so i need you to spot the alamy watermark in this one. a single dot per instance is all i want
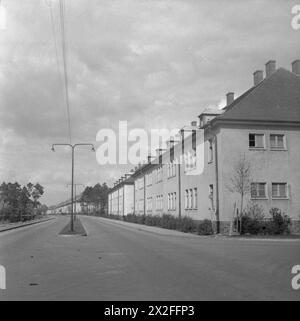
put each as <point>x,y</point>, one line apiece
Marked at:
<point>296,279</point>
<point>2,278</point>
<point>295,23</point>
<point>160,146</point>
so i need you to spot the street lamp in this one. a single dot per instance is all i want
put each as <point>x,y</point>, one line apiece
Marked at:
<point>72,181</point>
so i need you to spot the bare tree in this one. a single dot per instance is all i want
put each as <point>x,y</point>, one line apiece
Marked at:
<point>240,182</point>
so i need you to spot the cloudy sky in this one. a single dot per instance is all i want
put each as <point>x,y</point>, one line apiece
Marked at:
<point>154,63</point>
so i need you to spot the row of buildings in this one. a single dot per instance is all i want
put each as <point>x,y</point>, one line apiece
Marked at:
<point>194,175</point>
<point>79,207</point>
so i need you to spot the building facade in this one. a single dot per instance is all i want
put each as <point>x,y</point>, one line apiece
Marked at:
<point>194,176</point>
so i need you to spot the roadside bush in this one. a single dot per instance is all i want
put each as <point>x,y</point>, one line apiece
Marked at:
<point>279,223</point>
<point>153,220</point>
<point>168,221</point>
<point>187,225</point>
<point>205,227</point>
<point>253,219</point>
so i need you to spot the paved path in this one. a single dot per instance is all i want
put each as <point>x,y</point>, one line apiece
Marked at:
<point>12,226</point>
<point>121,262</point>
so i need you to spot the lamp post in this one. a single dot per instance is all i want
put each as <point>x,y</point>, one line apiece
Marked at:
<point>72,180</point>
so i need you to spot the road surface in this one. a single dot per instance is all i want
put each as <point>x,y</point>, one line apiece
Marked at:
<point>117,262</point>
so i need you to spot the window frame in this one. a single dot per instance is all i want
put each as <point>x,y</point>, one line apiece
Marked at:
<point>286,191</point>
<point>284,142</point>
<point>263,140</point>
<point>259,197</point>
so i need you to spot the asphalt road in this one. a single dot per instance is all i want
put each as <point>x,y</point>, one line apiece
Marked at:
<point>117,262</point>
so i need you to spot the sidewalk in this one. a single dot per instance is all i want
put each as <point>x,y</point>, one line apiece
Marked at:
<point>150,229</point>
<point>167,232</point>
<point>12,226</point>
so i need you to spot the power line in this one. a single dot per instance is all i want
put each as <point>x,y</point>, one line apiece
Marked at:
<point>63,79</point>
<point>49,4</point>
<point>63,42</point>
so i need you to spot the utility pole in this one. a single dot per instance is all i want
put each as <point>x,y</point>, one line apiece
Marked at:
<point>72,180</point>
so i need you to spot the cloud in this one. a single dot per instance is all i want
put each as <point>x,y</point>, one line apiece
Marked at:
<point>153,63</point>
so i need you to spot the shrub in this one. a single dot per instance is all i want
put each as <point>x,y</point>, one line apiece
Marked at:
<point>253,219</point>
<point>187,225</point>
<point>168,221</point>
<point>279,223</point>
<point>205,227</point>
<point>184,224</point>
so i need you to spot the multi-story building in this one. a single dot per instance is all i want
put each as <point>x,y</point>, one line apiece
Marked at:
<point>120,197</point>
<point>260,128</point>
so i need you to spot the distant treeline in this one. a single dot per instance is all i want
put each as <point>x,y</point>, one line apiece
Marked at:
<point>20,203</point>
<point>95,198</point>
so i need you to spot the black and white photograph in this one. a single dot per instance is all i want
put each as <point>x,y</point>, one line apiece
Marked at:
<point>150,153</point>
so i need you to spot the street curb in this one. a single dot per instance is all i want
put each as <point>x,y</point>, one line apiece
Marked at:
<point>146,228</point>
<point>140,227</point>
<point>27,224</point>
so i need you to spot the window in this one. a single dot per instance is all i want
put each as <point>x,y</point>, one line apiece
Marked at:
<point>174,201</point>
<point>186,199</point>
<point>277,141</point>
<point>258,190</point>
<point>171,167</point>
<point>159,202</point>
<point>195,199</point>
<point>256,141</point>
<point>211,196</point>
<point>210,151</point>
<point>191,199</point>
<point>158,175</point>
<point>149,179</point>
<point>149,204</point>
<point>279,190</point>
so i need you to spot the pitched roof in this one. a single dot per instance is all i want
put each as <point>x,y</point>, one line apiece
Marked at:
<point>276,98</point>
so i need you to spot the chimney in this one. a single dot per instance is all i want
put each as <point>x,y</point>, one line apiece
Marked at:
<point>170,143</point>
<point>296,66</point>
<point>258,76</point>
<point>159,151</point>
<point>194,123</point>
<point>270,67</point>
<point>229,98</point>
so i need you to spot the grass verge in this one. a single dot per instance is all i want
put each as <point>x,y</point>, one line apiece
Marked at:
<point>78,229</point>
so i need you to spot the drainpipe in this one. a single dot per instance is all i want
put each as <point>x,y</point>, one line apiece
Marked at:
<point>134,197</point>
<point>179,192</point>
<point>123,200</point>
<point>118,202</point>
<point>144,193</point>
<point>217,184</point>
